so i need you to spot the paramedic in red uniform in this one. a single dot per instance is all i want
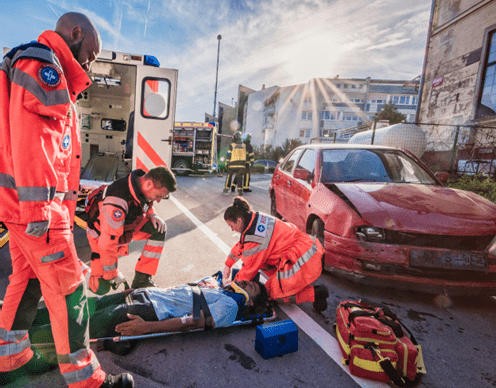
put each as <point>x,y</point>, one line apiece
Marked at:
<point>290,258</point>
<point>121,212</point>
<point>40,150</point>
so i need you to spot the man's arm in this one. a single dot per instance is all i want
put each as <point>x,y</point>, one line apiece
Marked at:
<point>138,326</point>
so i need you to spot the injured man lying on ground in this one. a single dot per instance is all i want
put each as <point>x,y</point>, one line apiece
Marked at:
<point>200,305</point>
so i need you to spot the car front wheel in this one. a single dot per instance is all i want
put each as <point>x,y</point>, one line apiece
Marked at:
<point>273,207</point>
<point>318,232</point>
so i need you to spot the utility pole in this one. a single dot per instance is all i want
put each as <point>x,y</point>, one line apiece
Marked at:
<point>219,37</point>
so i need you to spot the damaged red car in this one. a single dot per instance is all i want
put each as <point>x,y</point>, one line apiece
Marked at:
<point>386,220</point>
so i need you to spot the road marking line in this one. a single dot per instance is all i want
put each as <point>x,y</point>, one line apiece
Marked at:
<point>321,337</point>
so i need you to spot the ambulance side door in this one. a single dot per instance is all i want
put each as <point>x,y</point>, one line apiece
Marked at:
<point>155,109</point>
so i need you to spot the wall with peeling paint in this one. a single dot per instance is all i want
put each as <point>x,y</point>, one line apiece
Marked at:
<point>451,71</point>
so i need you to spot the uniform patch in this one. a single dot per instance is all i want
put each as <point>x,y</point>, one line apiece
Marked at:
<point>261,228</point>
<point>49,75</point>
<point>66,142</point>
<point>118,215</point>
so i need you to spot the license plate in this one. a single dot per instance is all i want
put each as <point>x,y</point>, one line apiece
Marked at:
<point>473,261</point>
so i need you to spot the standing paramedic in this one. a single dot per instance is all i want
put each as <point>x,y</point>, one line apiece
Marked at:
<point>290,258</point>
<point>40,154</point>
<point>121,212</point>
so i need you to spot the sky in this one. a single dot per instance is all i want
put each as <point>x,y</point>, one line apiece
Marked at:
<point>264,42</point>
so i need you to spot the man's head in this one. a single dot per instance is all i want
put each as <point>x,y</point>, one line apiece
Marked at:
<point>81,36</point>
<point>256,291</point>
<point>158,183</point>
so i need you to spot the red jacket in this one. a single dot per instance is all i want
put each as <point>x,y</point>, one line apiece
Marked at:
<point>40,145</point>
<point>292,259</point>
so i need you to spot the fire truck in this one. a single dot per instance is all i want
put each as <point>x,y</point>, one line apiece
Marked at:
<point>194,148</point>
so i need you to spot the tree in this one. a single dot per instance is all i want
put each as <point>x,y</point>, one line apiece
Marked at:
<point>390,112</point>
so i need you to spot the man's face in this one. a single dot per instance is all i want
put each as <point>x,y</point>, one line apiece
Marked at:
<point>86,51</point>
<point>252,288</point>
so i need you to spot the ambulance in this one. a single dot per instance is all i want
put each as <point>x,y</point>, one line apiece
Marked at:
<point>126,116</point>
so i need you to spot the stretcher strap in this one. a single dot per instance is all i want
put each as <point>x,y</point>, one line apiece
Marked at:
<point>200,304</point>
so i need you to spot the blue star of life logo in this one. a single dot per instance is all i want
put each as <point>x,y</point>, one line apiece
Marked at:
<point>66,141</point>
<point>261,228</point>
<point>49,75</point>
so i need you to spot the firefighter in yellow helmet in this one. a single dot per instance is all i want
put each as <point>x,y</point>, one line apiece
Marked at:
<point>236,163</point>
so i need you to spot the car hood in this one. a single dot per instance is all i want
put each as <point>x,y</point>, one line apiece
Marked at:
<point>421,208</point>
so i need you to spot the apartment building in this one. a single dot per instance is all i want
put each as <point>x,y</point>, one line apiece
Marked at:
<point>323,107</point>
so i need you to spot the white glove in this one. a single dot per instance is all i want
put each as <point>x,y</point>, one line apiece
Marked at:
<point>158,223</point>
<point>118,280</point>
<point>37,228</point>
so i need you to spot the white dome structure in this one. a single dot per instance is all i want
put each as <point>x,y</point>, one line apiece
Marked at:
<point>404,135</point>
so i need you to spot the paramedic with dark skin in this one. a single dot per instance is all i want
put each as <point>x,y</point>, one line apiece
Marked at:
<point>121,212</point>
<point>291,259</point>
<point>39,182</point>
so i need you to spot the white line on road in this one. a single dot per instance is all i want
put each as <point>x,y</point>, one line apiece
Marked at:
<point>326,341</point>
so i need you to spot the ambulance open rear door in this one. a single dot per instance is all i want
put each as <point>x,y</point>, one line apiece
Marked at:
<point>154,117</point>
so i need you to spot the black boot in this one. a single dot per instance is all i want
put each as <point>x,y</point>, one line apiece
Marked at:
<point>142,280</point>
<point>124,380</point>
<point>321,295</point>
<point>37,365</point>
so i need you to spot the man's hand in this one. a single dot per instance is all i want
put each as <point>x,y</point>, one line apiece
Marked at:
<point>136,326</point>
<point>158,223</point>
<point>37,228</point>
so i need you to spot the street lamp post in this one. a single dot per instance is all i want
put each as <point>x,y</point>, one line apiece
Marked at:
<point>219,37</point>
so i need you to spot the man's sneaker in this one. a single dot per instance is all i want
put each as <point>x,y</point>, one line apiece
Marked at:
<point>142,280</point>
<point>124,380</point>
<point>37,365</point>
<point>247,190</point>
<point>321,295</point>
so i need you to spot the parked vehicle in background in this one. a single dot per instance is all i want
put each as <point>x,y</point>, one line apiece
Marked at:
<point>476,166</point>
<point>385,219</point>
<point>266,163</point>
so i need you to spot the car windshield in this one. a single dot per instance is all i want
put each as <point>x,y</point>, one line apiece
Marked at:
<point>357,165</point>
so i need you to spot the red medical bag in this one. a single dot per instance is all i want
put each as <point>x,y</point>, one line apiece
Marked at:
<point>375,346</point>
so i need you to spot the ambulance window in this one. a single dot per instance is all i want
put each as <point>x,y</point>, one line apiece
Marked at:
<point>155,98</point>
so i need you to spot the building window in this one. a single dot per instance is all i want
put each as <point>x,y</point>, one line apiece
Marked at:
<point>487,103</point>
<point>306,115</point>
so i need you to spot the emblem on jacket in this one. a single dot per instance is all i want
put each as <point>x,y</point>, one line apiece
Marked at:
<point>261,228</point>
<point>49,75</point>
<point>66,142</point>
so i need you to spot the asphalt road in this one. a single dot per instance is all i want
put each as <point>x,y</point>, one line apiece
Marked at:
<point>457,335</point>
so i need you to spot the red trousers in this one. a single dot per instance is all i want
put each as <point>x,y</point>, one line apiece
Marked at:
<point>48,267</point>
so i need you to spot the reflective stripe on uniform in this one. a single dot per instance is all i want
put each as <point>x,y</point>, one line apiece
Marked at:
<point>52,257</point>
<point>13,335</point>
<point>14,347</point>
<point>299,263</point>
<point>82,374</point>
<point>151,255</point>
<point>46,97</point>
<point>155,243</point>
<point>73,358</point>
<point>27,194</point>
<point>7,181</point>
<point>108,268</point>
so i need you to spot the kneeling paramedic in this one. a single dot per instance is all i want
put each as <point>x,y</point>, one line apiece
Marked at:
<point>121,212</point>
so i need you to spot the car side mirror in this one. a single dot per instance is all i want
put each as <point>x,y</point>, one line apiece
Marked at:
<point>301,174</point>
<point>442,176</point>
